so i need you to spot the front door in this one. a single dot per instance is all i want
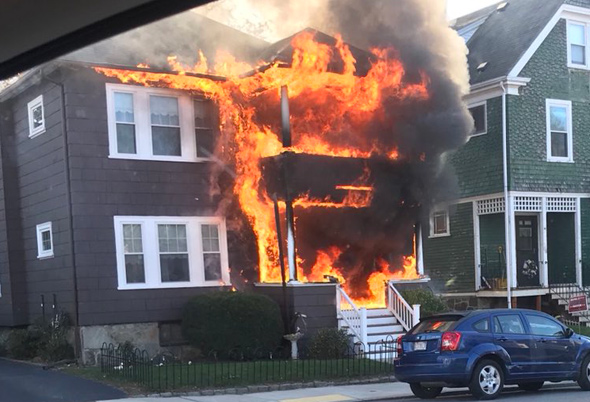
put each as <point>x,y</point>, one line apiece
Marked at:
<point>527,251</point>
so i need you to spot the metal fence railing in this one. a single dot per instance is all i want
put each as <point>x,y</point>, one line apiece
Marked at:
<point>245,367</point>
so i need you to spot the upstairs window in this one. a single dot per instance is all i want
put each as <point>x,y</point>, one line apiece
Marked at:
<point>559,131</point>
<point>159,124</point>
<point>36,117</point>
<point>577,37</point>
<point>479,114</point>
<point>439,223</point>
<point>44,240</point>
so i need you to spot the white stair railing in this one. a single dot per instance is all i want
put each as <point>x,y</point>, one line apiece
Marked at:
<point>354,317</point>
<point>407,315</point>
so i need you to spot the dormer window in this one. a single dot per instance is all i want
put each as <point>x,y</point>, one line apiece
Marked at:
<point>577,37</point>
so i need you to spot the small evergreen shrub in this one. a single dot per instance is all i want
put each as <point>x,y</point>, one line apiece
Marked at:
<point>222,321</point>
<point>328,343</point>
<point>22,344</point>
<point>429,302</point>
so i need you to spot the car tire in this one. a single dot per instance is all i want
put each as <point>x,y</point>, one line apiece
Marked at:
<point>531,386</point>
<point>487,381</point>
<point>425,392</point>
<point>584,379</point>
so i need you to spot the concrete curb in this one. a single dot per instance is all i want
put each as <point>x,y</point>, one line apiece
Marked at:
<point>251,389</point>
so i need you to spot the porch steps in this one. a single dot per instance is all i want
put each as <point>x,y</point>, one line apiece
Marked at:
<point>561,294</point>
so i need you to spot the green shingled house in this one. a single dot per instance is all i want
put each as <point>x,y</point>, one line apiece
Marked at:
<point>521,223</point>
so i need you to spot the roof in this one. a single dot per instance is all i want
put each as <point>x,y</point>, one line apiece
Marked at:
<point>182,35</point>
<point>468,19</point>
<point>506,35</point>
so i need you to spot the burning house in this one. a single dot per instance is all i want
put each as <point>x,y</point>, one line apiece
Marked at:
<point>307,162</point>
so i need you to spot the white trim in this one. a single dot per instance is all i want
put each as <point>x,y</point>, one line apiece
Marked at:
<point>35,103</point>
<point>500,293</point>
<point>143,130</point>
<point>578,239</point>
<point>439,210</point>
<point>485,117</point>
<point>569,129</point>
<point>543,259</point>
<point>41,228</point>
<point>584,25</point>
<point>494,88</point>
<point>476,246</point>
<point>151,253</point>
<point>420,251</point>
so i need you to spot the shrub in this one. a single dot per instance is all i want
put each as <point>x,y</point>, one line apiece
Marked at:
<point>222,321</point>
<point>429,303</point>
<point>22,344</point>
<point>328,343</point>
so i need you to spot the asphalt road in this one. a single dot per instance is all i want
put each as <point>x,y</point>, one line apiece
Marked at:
<point>21,382</point>
<point>569,392</point>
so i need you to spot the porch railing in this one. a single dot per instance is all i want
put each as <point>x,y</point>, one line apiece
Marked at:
<point>564,293</point>
<point>406,315</point>
<point>354,317</point>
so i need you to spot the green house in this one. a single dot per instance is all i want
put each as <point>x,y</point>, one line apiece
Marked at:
<point>520,224</point>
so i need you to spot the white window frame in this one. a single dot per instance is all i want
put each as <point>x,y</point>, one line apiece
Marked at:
<point>485,113</point>
<point>35,103</point>
<point>569,45</point>
<point>434,212</point>
<point>44,227</point>
<point>570,136</point>
<point>143,131</point>
<point>151,253</point>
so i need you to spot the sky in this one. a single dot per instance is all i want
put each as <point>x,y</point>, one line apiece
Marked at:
<point>457,8</point>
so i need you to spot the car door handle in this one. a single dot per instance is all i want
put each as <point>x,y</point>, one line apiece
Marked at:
<point>542,340</point>
<point>502,339</point>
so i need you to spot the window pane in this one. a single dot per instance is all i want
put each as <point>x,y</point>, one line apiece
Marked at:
<point>203,113</point>
<point>132,239</point>
<point>578,54</point>
<point>510,324</point>
<point>440,223</point>
<point>126,138</point>
<point>164,111</point>
<point>46,240</point>
<point>482,325</point>
<point>134,270</point>
<point>172,238</point>
<point>479,118</point>
<point>558,117</point>
<point>38,116</point>
<point>559,144</point>
<point>212,266</point>
<point>210,234</point>
<point>124,107</point>
<point>544,326</point>
<point>577,34</point>
<point>205,142</point>
<point>166,141</point>
<point>174,267</point>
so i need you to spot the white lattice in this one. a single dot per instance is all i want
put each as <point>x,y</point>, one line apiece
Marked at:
<point>528,204</point>
<point>561,204</point>
<point>491,206</point>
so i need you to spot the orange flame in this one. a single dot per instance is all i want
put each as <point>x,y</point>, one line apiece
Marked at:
<point>245,141</point>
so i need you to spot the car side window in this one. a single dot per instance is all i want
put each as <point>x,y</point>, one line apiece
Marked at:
<point>482,325</point>
<point>508,324</point>
<point>543,326</point>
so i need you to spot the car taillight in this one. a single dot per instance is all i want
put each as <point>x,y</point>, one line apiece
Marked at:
<point>399,348</point>
<point>450,341</point>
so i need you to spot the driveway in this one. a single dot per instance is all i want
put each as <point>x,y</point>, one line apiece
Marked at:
<point>20,382</point>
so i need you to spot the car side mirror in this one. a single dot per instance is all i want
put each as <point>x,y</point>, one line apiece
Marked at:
<point>569,332</point>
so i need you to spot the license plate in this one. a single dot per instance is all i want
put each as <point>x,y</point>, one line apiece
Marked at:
<point>420,346</point>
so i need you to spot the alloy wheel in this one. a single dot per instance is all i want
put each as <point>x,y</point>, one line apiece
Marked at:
<point>489,379</point>
<point>588,371</point>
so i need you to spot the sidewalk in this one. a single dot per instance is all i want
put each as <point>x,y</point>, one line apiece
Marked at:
<point>365,392</point>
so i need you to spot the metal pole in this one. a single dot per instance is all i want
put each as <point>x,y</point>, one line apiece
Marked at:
<point>281,264</point>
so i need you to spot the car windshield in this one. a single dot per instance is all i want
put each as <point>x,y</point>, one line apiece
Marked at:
<point>435,324</point>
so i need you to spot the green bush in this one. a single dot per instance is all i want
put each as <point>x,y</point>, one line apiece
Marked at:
<point>23,344</point>
<point>222,321</point>
<point>328,343</point>
<point>429,302</point>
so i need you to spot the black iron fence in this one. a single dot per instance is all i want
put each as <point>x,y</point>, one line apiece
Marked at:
<point>563,293</point>
<point>240,368</point>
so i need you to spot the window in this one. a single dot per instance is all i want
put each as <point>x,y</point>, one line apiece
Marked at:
<point>439,223</point>
<point>482,325</point>
<point>44,240</point>
<point>543,326</point>
<point>168,252</point>
<point>36,117</point>
<point>577,49</point>
<point>508,324</point>
<point>478,113</point>
<point>559,131</point>
<point>159,124</point>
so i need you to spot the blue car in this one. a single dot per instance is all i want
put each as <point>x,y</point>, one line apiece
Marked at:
<point>487,349</point>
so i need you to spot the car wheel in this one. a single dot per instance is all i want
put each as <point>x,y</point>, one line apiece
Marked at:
<point>487,381</point>
<point>531,386</point>
<point>584,379</point>
<point>425,392</point>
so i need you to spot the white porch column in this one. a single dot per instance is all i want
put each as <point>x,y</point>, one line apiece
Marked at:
<point>476,247</point>
<point>544,261</point>
<point>510,234</point>
<point>420,251</point>
<point>578,238</point>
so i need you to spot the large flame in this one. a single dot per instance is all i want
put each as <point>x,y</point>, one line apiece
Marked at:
<point>245,141</point>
